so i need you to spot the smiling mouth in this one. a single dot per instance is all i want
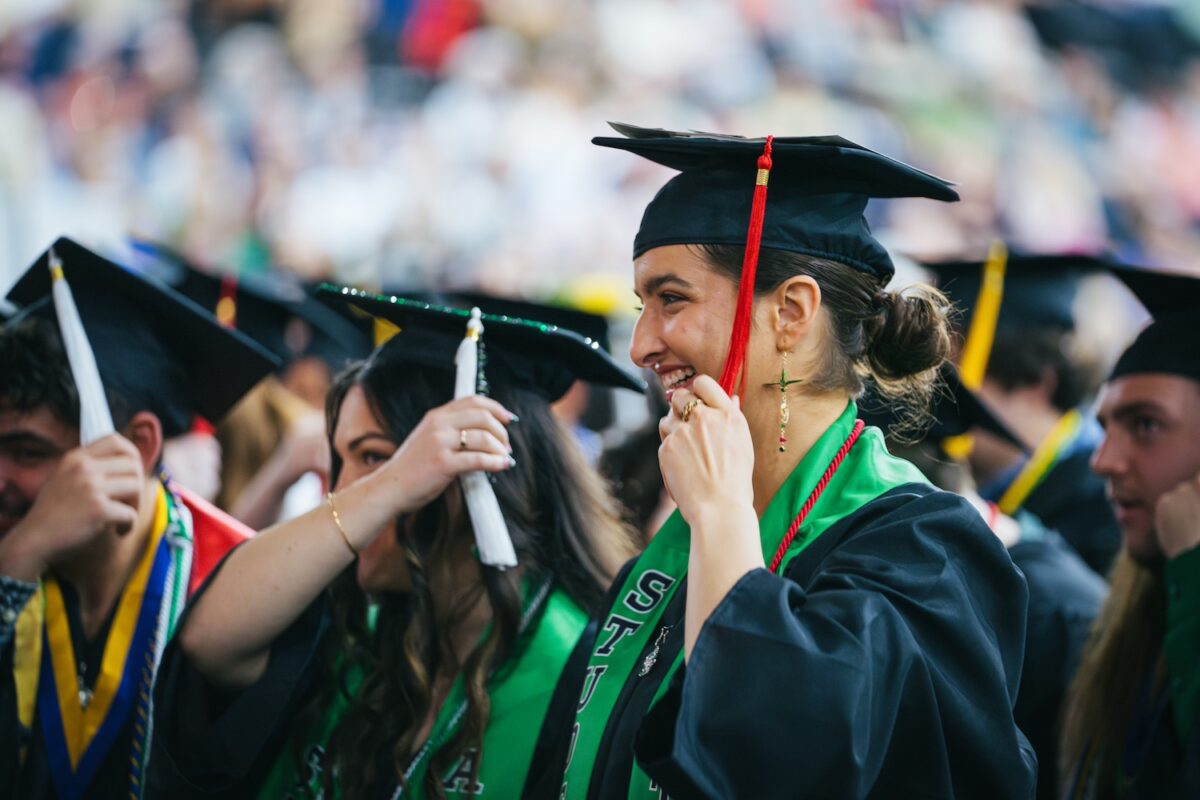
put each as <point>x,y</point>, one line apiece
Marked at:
<point>676,379</point>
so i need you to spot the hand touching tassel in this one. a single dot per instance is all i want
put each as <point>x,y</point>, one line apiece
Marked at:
<point>491,531</point>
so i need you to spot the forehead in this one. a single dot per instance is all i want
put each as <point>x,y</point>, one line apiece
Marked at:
<point>41,423</point>
<point>355,417</point>
<point>1173,394</point>
<point>671,261</point>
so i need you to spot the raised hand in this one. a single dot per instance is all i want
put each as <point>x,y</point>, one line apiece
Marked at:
<point>1177,518</point>
<point>91,489</point>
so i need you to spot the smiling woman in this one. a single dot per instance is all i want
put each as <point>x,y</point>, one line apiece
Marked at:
<point>859,617</point>
<point>382,655</point>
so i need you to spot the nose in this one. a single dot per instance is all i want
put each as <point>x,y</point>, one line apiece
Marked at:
<point>646,347</point>
<point>1107,461</point>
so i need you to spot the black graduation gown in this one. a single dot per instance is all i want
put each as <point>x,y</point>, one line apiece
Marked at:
<point>32,779</point>
<point>1071,500</point>
<point>883,664</point>
<point>1064,597</point>
<point>213,743</point>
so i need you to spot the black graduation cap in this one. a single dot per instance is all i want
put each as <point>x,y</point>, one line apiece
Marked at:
<point>1037,289</point>
<point>1171,343</point>
<point>278,312</point>
<point>955,411</point>
<point>819,188</point>
<point>538,355</point>
<point>156,349</point>
<point>591,326</point>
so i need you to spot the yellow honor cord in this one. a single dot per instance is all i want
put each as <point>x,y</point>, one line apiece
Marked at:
<point>80,725</point>
<point>1043,459</point>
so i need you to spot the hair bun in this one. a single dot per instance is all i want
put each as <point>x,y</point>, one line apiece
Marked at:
<point>910,334</point>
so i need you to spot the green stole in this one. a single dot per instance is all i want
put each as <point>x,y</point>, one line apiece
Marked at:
<point>520,693</point>
<point>867,472</point>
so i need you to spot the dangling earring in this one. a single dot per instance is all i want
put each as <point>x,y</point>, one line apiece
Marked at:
<point>784,412</point>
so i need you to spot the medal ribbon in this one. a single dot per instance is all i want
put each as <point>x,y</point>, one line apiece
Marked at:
<point>78,739</point>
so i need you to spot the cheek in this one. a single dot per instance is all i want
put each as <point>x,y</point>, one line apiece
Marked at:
<point>1168,466</point>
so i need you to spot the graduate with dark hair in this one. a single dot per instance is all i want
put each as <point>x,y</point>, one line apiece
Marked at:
<point>390,653</point>
<point>99,549</point>
<point>1132,728</point>
<point>1022,353</point>
<point>816,619</point>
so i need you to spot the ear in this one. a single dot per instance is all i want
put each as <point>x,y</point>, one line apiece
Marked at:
<point>793,310</point>
<point>145,431</point>
<point>1048,385</point>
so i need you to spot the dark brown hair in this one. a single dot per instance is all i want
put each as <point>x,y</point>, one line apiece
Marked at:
<point>565,528</point>
<point>895,340</point>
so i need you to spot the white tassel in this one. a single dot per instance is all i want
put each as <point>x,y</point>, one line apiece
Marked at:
<point>95,420</point>
<point>491,531</point>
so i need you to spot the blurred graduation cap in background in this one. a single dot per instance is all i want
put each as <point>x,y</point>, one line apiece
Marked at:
<point>532,353</point>
<point>277,311</point>
<point>1170,344</point>
<point>955,411</point>
<point>155,349</point>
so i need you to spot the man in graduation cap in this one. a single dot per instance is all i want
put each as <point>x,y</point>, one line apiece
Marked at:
<point>1064,593</point>
<point>273,443</point>
<point>1020,351</point>
<point>98,550</point>
<point>1132,728</point>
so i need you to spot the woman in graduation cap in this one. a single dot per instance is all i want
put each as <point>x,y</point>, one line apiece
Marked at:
<point>816,620</point>
<point>366,649</point>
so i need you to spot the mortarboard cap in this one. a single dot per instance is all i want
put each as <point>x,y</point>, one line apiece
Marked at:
<point>955,411</point>
<point>1036,289</point>
<point>820,186</point>
<point>538,355</point>
<point>1171,342</point>
<point>276,311</point>
<point>156,349</point>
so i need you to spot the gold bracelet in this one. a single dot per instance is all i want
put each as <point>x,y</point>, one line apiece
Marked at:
<point>338,522</point>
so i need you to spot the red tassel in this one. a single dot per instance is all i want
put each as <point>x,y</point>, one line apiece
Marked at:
<point>739,337</point>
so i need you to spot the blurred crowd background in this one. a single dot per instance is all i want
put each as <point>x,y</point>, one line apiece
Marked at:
<point>444,143</point>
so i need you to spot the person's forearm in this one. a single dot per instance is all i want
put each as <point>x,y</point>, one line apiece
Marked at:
<point>269,581</point>
<point>725,546</point>
<point>259,503</point>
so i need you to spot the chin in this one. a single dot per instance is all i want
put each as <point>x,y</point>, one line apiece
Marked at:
<point>1142,546</point>
<point>375,578</point>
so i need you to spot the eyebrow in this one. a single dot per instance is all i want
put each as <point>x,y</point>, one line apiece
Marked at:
<point>27,438</point>
<point>657,282</point>
<point>1136,408</point>
<point>356,442</point>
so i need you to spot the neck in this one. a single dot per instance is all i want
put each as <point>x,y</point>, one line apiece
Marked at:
<point>99,570</point>
<point>811,416</point>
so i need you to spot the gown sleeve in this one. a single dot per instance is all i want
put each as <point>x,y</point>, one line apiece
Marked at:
<point>890,672</point>
<point>1182,642</point>
<point>212,742</point>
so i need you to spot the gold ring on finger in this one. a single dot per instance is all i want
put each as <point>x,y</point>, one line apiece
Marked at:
<point>688,408</point>
<point>462,439</point>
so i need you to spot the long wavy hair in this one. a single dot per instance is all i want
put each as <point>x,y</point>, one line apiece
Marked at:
<point>1123,650</point>
<point>564,525</point>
